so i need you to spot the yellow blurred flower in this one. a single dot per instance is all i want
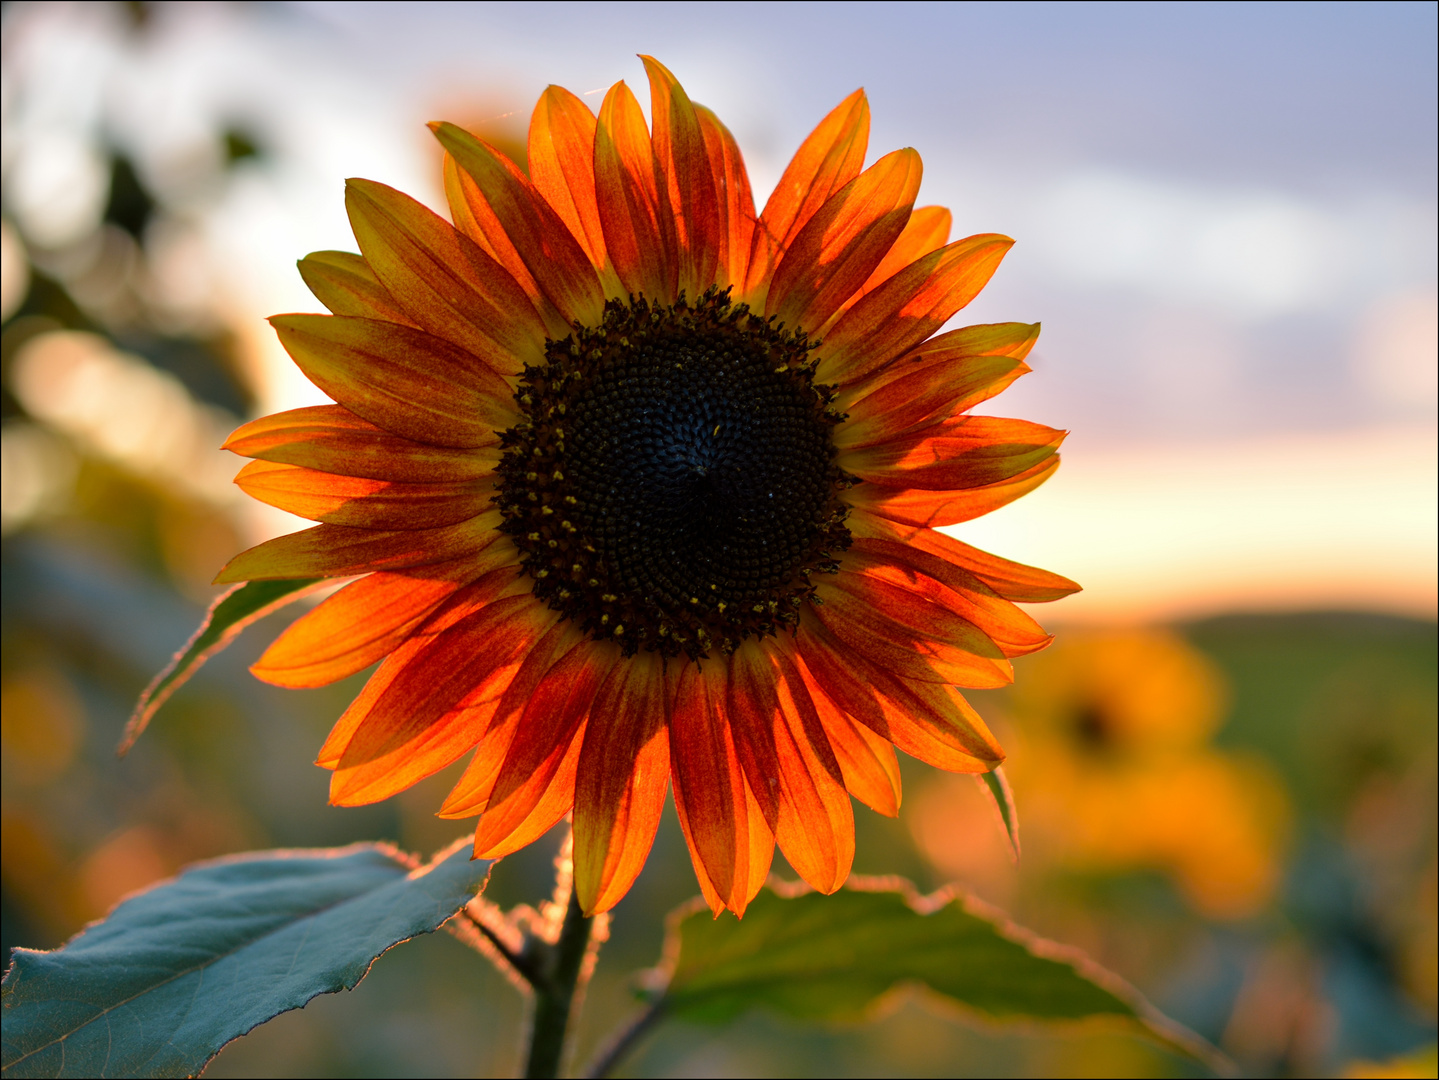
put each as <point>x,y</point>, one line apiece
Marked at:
<point>1114,771</point>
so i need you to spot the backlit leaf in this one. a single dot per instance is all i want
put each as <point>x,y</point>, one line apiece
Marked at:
<point>996,788</point>
<point>176,972</point>
<point>228,615</point>
<point>836,958</point>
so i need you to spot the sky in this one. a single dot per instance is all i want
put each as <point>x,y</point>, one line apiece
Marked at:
<point>1225,218</point>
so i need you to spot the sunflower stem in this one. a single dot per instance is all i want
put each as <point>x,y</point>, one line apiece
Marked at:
<point>555,995</point>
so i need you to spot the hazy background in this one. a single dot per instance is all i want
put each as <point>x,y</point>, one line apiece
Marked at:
<point>1226,219</point>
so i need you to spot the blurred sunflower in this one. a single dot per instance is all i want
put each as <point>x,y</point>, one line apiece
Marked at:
<point>1118,772</point>
<point>643,487</point>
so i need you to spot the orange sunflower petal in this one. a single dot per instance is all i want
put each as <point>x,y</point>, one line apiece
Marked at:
<point>840,246</point>
<point>930,721</point>
<point>637,237</point>
<point>952,587</point>
<point>816,821</point>
<point>562,167</point>
<point>512,216</point>
<point>938,508</point>
<point>908,635</point>
<point>621,782</point>
<point>984,339</point>
<point>931,391</point>
<point>461,605</point>
<point>442,280</point>
<point>967,452</point>
<point>496,709</point>
<point>346,285</point>
<point>683,164</point>
<point>736,201</point>
<point>333,439</point>
<point>361,501</point>
<point>828,159</point>
<point>709,786</point>
<point>906,309</point>
<point>541,811</point>
<point>791,768</point>
<point>403,380</point>
<point>557,707</point>
<point>434,709</point>
<point>927,230</point>
<point>513,796</point>
<point>866,761</point>
<point>341,551</point>
<point>362,623</point>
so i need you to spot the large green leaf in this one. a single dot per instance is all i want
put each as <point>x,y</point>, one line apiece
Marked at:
<point>833,958</point>
<point>231,612</point>
<point>174,973</point>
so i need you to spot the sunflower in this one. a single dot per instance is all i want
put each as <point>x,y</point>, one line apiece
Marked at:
<point>640,488</point>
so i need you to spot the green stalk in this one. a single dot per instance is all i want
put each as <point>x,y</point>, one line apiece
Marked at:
<point>555,994</point>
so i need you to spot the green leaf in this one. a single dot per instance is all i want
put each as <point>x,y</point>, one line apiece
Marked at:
<point>231,612</point>
<point>176,972</point>
<point>836,958</point>
<point>996,786</point>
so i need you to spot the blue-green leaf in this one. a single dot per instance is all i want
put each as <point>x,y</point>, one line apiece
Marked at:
<point>834,958</point>
<point>231,612</point>
<point>176,972</point>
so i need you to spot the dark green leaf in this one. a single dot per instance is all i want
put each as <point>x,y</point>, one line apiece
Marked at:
<point>834,958</point>
<point>228,615</point>
<point>174,973</point>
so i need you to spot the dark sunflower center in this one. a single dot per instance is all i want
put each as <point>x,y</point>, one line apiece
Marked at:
<point>673,485</point>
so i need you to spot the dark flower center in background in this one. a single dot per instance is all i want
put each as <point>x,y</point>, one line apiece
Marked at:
<point>673,485</point>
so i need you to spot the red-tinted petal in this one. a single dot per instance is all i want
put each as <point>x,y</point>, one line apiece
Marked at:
<point>931,391</point>
<point>403,380</point>
<point>503,708</point>
<point>736,202</point>
<point>443,281</point>
<point>638,234</point>
<point>866,761</point>
<point>562,166</point>
<point>555,712</point>
<point>709,786</point>
<point>346,285</point>
<point>909,307</point>
<point>908,635</point>
<point>685,178</point>
<point>362,623</point>
<point>621,783</point>
<point>816,822</point>
<point>541,809</point>
<point>439,703</point>
<point>839,247</point>
<point>511,215</point>
<point>967,452</point>
<point>828,159</point>
<point>930,721</point>
<point>952,587</point>
<point>787,755</point>
<point>927,230</point>
<point>916,506</point>
<point>333,439</point>
<point>363,502</point>
<point>341,551</point>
